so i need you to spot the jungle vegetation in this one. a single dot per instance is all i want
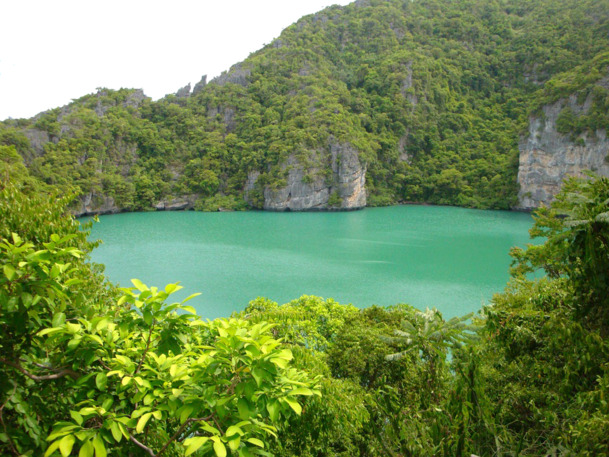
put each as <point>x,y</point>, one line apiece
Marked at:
<point>88,369</point>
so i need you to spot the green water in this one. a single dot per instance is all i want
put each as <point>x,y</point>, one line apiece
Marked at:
<point>450,258</point>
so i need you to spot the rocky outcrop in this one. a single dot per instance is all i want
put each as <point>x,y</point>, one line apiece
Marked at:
<point>200,85</point>
<point>238,74</point>
<point>547,157</point>
<point>98,204</point>
<point>184,92</point>
<point>95,204</point>
<point>177,204</point>
<point>309,187</point>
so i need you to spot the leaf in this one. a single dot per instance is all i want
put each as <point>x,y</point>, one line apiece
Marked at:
<point>258,376</point>
<point>233,430</point>
<point>256,442</point>
<point>66,444</point>
<point>245,452</point>
<point>219,447</point>
<point>234,443</point>
<point>86,450</point>
<point>301,391</point>
<point>52,448</point>
<point>185,414</point>
<point>9,272</point>
<point>189,309</point>
<point>244,409</point>
<point>294,405</point>
<point>77,417</point>
<point>100,448</point>
<point>139,285</point>
<point>101,381</point>
<point>116,432</point>
<point>190,297</point>
<point>141,423</point>
<point>273,409</point>
<point>193,444</point>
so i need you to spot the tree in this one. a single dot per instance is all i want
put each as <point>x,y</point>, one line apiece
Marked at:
<point>576,228</point>
<point>82,369</point>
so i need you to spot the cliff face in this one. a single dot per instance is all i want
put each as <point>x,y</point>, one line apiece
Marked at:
<point>314,188</point>
<point>547,156</point>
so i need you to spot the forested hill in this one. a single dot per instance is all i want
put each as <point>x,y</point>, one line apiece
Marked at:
<point>377,102</point>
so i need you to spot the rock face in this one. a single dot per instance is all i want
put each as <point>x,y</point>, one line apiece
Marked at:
<point>91,204</point>
<point>547,157</point>
<point>238,74</point>
<point>309,188</point>
<point>177,204</point>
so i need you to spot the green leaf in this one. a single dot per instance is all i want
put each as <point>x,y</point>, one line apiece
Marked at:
<point>190,297</point>
<point>301,391</point>
<point>273,409</point>
<point>219,447</point>
<point>100,448</point>
<point>9,272</point>
<point>141,423</point>
<point>256,442</point>
<point>139,285</point>
<point>258,376</point>
<point>234,443</point>
<point>244,409</point>
<point>86,450</point>
<point>245,452</point>
<point>101,381</point>
<point>189,309</point>
<point>193,444</point>
<point>147,317</point>
<point>185,414</point>
<point>233,430</point>
<point>66,444</point>
<point>58,319</point>
<point>116,432</point>
<point>77,417</point>
<point>294,405</point>
<point>52,448</point>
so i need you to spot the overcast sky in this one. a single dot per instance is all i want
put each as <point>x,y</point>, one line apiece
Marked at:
<point>52,51</point>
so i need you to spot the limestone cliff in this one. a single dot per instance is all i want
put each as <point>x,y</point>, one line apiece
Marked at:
<point>313,187</point>
<point>547,156</point>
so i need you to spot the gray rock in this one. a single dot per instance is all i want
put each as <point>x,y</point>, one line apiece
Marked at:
<point>547,157</point>
<point>184,92</point>
<point>236,75</point>
<point>311,188</point>
<point>176,204</point>
<point>91,204</point>
<point>200,85</point>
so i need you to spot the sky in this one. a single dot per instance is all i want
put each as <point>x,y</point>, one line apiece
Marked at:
<point>54,51</point>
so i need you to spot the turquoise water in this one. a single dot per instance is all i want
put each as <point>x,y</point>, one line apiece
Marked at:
<point>452,258</point>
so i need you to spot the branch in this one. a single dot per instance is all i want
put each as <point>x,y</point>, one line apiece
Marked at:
<point>139,365</point>
<point>59,372</point>
<point>181,429</point>
<point>142,446</point>
<point>8,435</point>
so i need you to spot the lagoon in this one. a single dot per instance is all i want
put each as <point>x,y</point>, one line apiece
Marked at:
<point>450,258</point>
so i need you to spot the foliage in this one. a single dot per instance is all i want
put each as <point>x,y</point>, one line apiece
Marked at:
<point>577,246</point>
<point>85,371</point>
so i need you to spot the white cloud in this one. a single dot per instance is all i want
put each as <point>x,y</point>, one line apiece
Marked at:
<point>55,51</point>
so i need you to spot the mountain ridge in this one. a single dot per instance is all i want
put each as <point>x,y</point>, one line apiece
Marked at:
<point>434,97</point>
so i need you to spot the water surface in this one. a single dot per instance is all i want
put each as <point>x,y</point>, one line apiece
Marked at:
<point>450,258</point>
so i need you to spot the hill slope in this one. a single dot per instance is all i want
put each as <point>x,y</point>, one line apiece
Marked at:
<point>378,102</point>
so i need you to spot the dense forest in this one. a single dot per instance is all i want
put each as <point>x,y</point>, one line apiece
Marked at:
<point>427,99</point>
<point>91,370</point>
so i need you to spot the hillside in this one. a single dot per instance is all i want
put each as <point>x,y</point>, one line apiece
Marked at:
<point>375,103</point>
